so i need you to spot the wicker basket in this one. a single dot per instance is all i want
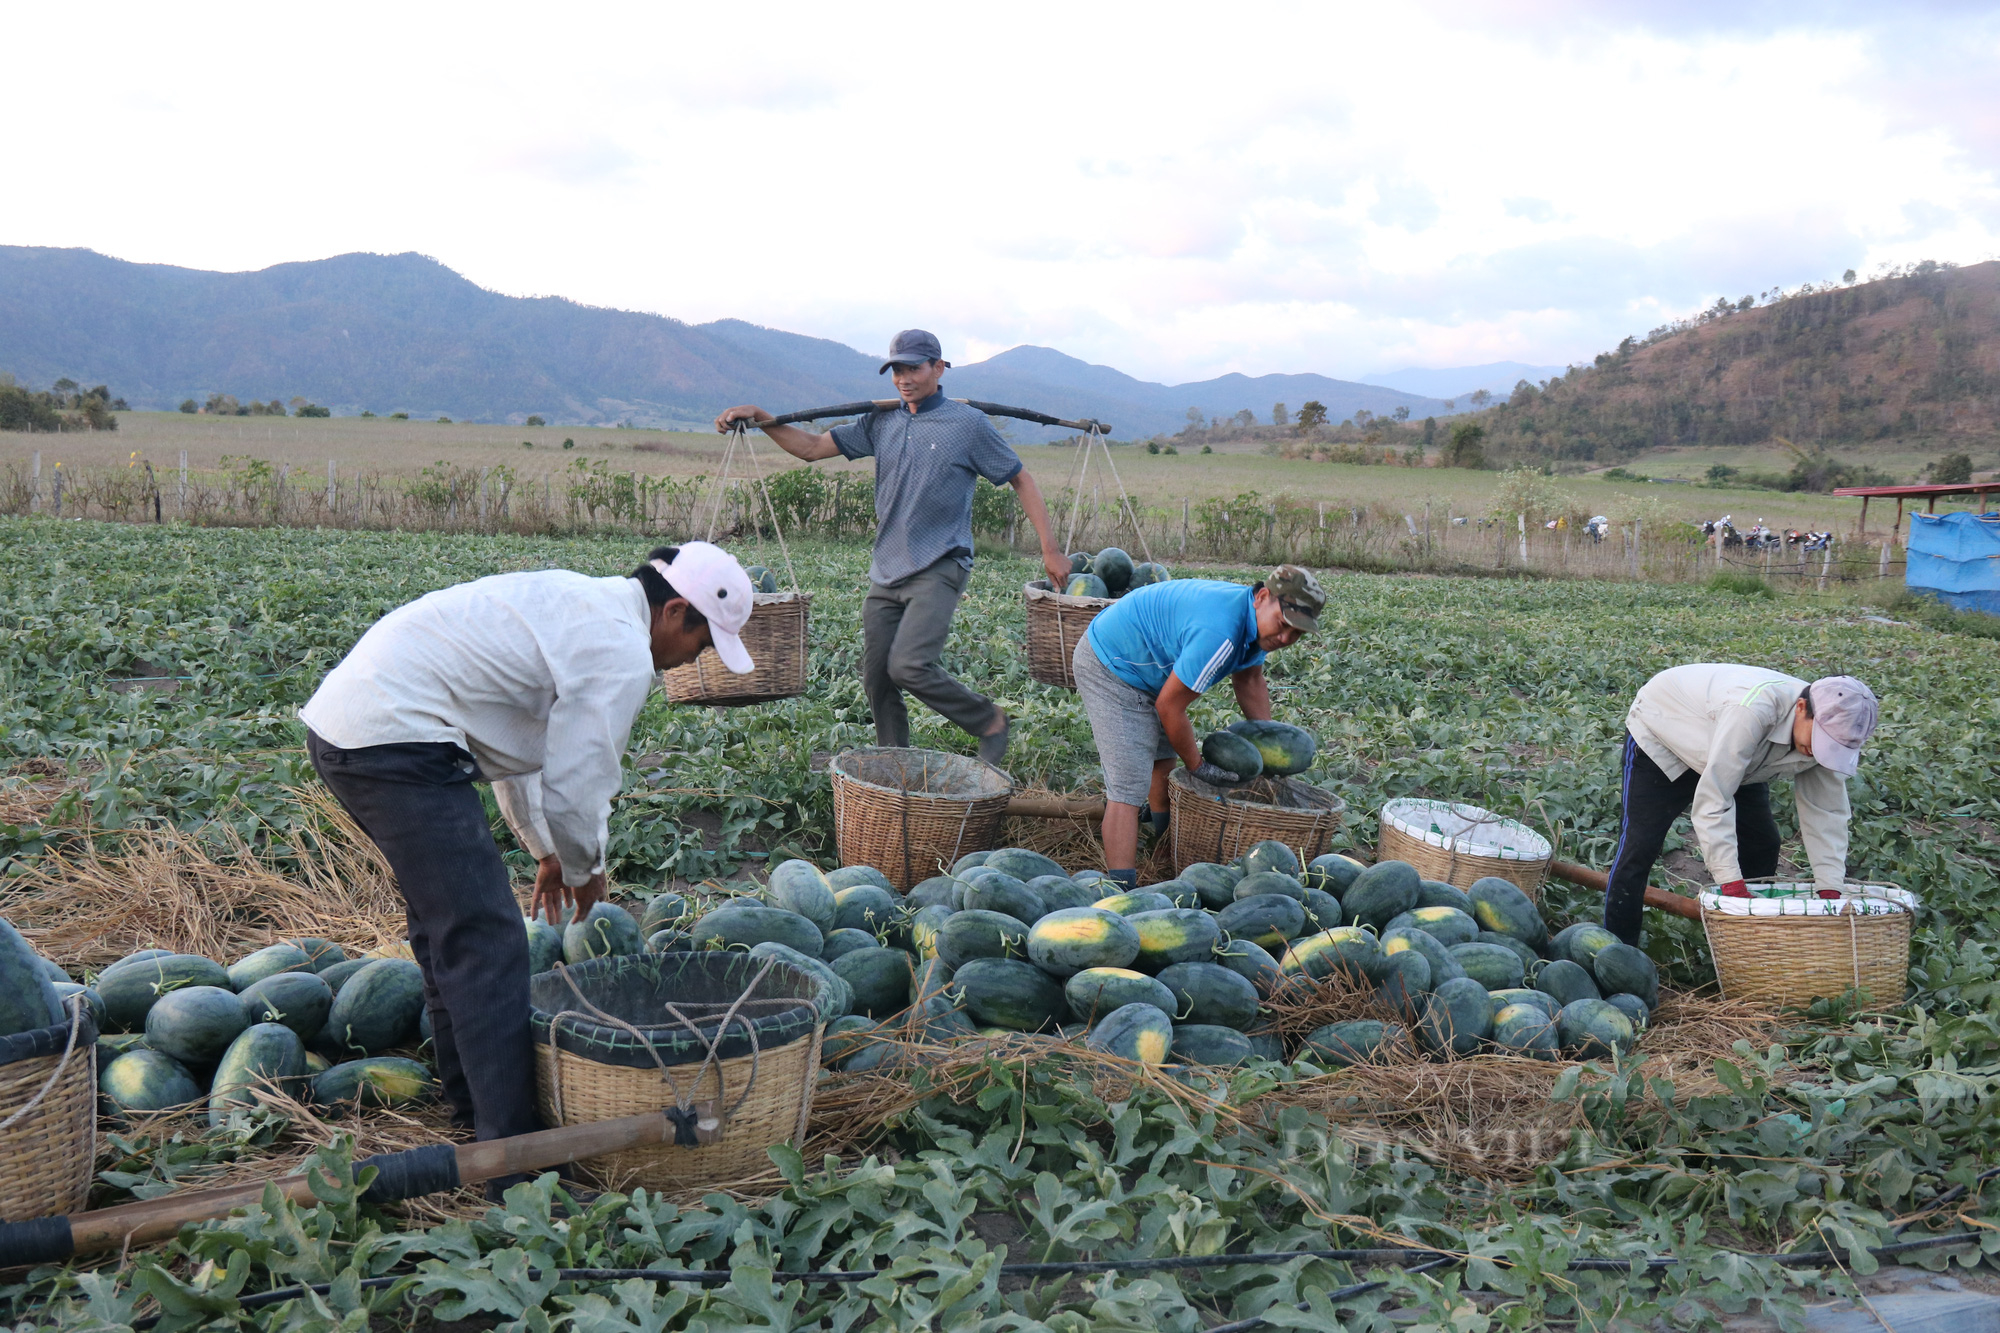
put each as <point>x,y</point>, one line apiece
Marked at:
<point>745,1062</point>
<point>1795,947</point>
<point>1221,823</point>
<point>776,638</point>
<point>912,813</point>
<point>1458,843</point>
<point>48,1079</point>
<point>1055,622</point>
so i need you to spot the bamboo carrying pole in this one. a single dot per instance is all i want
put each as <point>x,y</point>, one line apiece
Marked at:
<point>1678,904</point>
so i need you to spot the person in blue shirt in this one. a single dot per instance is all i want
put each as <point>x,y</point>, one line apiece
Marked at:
<point>1150,655</point>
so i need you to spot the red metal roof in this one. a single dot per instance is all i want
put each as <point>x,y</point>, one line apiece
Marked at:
<point>1924,492</point>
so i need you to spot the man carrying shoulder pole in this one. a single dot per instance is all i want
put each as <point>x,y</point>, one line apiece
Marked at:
<point>929,455</point>
<point>1707,739</point>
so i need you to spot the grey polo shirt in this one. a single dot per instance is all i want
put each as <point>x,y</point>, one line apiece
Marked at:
<point>926,465</point>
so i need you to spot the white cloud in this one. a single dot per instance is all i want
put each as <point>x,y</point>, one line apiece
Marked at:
<point>1173,189</point>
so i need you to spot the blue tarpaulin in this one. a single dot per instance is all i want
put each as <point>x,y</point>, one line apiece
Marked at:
<point>1956,558</point>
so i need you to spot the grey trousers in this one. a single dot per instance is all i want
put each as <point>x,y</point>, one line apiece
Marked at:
<point>903,633</point>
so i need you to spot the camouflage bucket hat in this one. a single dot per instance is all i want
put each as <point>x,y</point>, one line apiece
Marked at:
<point>1299,593</point>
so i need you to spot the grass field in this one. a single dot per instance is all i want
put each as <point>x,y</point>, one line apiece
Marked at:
<point>152,674</point>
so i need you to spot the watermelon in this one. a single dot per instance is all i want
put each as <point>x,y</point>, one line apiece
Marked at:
<point>1443,966</point>
<point>1227,750</point>
<point>1457,1017</point>
<point>195,1024</point>
<point>129,988</point>
<point>551,940</point>
<point>1525,1029</point>
<point>605,930</point>
<point>1056,892</point>
<point>969,861</point>
<point>880,1056</point>
<point>111,1045</point>
<point>848,877</point>
<point>1079,562</point>
<point>832,994</point>
<point>1490,965</point>
<point>1269,855</point>
<point>845,1036</point>
<point>545,950</point>
<point>1269,919</point>
<point>1009,993</point>
<point>743,922</point>
<point>265,1053</point>
<point>90,999</point>
<point>320,954</point>
<point>1621,969</point>
<point>1322,910</point>
<point>868,907</point>
<point>1088,877</point>
<point>944,1018</point>
<point>1332,872</point>
<point>1267,1046</point>
<point>1565,982</point>
<point>1113,566</point>
<point>1086,585</point>
<point>387,1081</point>
<point>1284,748</point>
<point>1268,881</point>
<point>144,1081</point>
<point>1251,961</point>
<point>1531,962</point>
<point>1147,572</point>
<point>671,940</point>
<point>50,969</point>
<point>1217,889</point>
<point>1381,893</point>
<point>425,1028</point>
<point>1580,943</point>
<point>1594,1029</point>
<point>1355,1042</point>
<point>247,971</point>
<point>377,1008</point>
<point>1527,995</point>
<point>1633,1008</point>
<point>977,933</point>
<point>1134,1032</point>
<point>316,1064</point>
<point>662,910</point>
<point>938,890</point>
<point>299,1000</point>
<point>881,979</point>
<point>1177,935</point>
<point>1077,939</point>
<point>1446,925</point>
<point>845,942</point>
<point>759,577</point>
<point>1344,949</point>
<point>924,928</point>
<point>1000,892</point>
<point>1437,893</point>
<point>1023,864</point>
<point>1097,991</point>
<point>136,956</point>
<point>1208,1044</point>
<point>1499,905</point>
<point>798,886</point>
<point>1131,904</point>
<point>1210,993</point>
<point>1406,977</point>
<point>1180,893</point>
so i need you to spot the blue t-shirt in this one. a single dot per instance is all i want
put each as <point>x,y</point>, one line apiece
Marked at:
<point>1198,629</point>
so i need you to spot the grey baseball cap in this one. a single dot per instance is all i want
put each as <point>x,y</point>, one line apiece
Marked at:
<point>1844,712</point>
<point>913,347</point>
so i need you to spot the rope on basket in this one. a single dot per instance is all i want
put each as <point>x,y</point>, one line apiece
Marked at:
<point>740,434</point>
<point>1095,440</point>
<point>75,1003</point>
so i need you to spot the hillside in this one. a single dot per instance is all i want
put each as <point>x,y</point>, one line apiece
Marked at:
<point>1911,359</point>
<point>403,333</point>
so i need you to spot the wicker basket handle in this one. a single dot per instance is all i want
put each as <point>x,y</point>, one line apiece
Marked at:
<point>75,1004</point>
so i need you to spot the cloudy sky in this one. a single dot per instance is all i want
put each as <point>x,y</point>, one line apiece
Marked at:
<point>1176,190</point>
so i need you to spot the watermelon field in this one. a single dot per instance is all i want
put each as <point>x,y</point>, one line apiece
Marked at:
<point>151,676</point>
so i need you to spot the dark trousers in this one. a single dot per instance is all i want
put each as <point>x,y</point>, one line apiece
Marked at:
<point>903,632</point>
<point>1652,802</point>
<point>417,803</point>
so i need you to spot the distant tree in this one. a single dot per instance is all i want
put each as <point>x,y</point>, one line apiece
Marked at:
<point>1451,404</point>
<point>1719,473</point>
<point>1279,416</point>
<point>1402,412</point>
<point>1952,470</point>
<point>569,444</point>
<point>444,421</point>
<point>1847,276</point>
<point>1481,397</point>
<point>1362,417</point>
<point>1152,446</point>
<point>1246,418</point>
<point>189,406</point>
<point>536,421</point>
<point>1430,433</point>
<point>399,416</point>
<point>312,410</point>
<point>1311,417</point>
<point>1465,448</point>
<point>1746,302</point>
<point>367,414</point>
<point>64,385</point>
<point>1195,420</point>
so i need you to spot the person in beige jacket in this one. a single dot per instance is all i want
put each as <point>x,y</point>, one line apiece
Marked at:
<point>1706,740</point>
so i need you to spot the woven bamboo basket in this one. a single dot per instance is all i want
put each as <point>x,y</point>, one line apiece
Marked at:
<point>912,813</point>
<point>1056,621</point>
<point>775,636</point>
<point>1458,843</point>
<point>48,1090</point>
<point>1221,823</point>
<point>750,1093</point>
<point>1791,950</point>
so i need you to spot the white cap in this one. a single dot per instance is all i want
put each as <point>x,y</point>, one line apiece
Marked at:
<point>1844,716</point>
<point>715,585</point>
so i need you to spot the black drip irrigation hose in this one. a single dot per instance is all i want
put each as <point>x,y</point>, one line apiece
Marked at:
<point>1418,1261</point>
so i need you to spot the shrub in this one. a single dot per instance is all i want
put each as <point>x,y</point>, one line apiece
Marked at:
<point>1952,470</point>
<point>190,406</point>
<point>312,410</point>
<point>536,421</point>
<point>399,416</point>
<point>569,444</point>
<point>1466,448</point>
<point>1739,585</point>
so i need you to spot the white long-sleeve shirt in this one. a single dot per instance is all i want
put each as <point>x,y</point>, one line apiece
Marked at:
<point>1733,725</point>
<point>539,676</point>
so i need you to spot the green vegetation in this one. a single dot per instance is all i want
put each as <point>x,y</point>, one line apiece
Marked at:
<point>64,406</point>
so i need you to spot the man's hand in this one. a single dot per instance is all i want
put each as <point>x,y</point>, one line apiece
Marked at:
<point>1215,775</point>
<point>1057,563</point>
<point>552,895</point>
<point>756,416</point>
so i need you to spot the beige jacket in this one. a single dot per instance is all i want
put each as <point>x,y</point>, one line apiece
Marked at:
<point>1733,725</point>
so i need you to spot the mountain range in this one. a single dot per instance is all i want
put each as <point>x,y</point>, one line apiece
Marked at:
<point>392,333</point>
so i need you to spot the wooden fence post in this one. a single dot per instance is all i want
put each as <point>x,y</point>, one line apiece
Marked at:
<point>1521,526</point>
<point>1635,548</point>
<point>35,484</point>
<point>58,488</point>
<point>332,491</point>
<point>1882,567</point>
<point>1825,562</point>
<point>183,506</point>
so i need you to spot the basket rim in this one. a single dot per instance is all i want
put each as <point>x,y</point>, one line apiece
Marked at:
<point>835,768</point>
<point>1047,594</point>
<point>590,1038</point>
<point>1799,899</point>
<point>36,1043</point>
<point>1335,804</point>
<point>1391,815</point>
<point>778,598</point>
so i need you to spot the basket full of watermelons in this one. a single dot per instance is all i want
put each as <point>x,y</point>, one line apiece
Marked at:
<point>1219,823</point>
<point>1057,617</point>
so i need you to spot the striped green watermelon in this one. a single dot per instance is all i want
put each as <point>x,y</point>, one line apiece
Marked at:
<point>336,976</point>
<point>1406,977</point>
<point>924,927</point>
<point>1491,965</point>
<point>1525,1029</point>
<point>976,933</point>
<point>938,890</point>
<point>1285,749</point>
<point>264,1054</point>
<point>1267,1046</point>
<point>130,987</point>
<point>1437,893</point>
<point>384,1081</point>
<point>1251,961</point>
<point>969,861</point>
<point>742,923</point>
<point>1076,939</point>
<point>1580,943</point>
<point>1268,856</point>
<point>195,1024</point>
<point>545,950</point>
<point>1322,910</point>
<point>1177,935</point>
<point>1058,892</point>
<point>1208,1044</point>
<point>1227,750</point>
<point>1594,1029</point>
<point>92,1002</point>
<point>1531,962</point>
<point>320,954</point>
<point>832,994</point>
<point>1216,889</point>
<point>1621,969</point>
<point>1381,893</point>
<point>1268,881</point>
<point>662,910</point>
<point>1527,995</point>
<point>1114,566</point>
<point>299,1000</point>
<point>1446,925</point>
<point>1566,982</point>
<point>1356,1041</point>
<point>1131,904</point>
<point>1332,872</point>
<point>1095,992</point>
<point>1633,1008</point>
<point>377,1008</point>
<point>1009,993</point>
<point>1500,906</point>
<point>1086,585</point>
<point>1134,1032</point>
<point>881,979</point>
<point>607,930</point>
<point>1344,949</point>
<point>848,877</point>
<point>1210,993</point>
<point>1001,892</point>
<point>1458,1016</point>
<point>1443,966</point>
<point>247,971</point>
<point>144,1081</point>
<point>1022,864</point>
<point>846,941</point>
<point>798,886</point>
<point>844,1037</point>
<point>1269,919</point>
<point>868,907</point>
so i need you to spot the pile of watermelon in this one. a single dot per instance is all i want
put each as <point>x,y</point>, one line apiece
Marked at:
<point>1110,573</point>
<point>1179,972</point>
<point>178,1030</point>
